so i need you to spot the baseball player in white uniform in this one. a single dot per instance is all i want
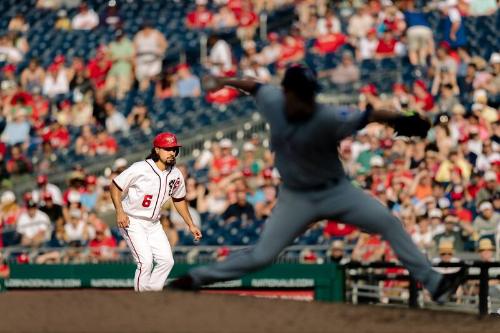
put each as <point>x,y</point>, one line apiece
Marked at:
<point>138,194</point>
<point>305,136</point>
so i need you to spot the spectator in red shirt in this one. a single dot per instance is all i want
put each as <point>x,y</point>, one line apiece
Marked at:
<point>201,17</point>
<point>386,47</point>
<point>98,68</point>
<point>103,246</point>
<point>460,211</point>
<point>57,135</point>
<point>329,42</point>
<point>369,248</point>
<point>334,229</point>
<point>226,164</point>
<point>422,100</point>
<point>292,50</point>
<point>247,22</point>
<point>106,144</point>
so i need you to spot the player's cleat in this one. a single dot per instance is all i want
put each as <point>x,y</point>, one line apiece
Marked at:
<point>184,283</point>
<point>448,285</point>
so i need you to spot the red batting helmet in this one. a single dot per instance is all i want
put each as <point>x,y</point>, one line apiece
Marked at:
<point>166,140</point>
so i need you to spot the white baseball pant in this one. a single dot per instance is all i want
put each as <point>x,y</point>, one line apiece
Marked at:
<point>149,244</point>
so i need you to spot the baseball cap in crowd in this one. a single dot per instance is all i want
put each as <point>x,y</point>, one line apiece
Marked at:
<point>267,173</point>
<point>372,31</point>
<point>46,196</point>
<point>338,244</point>
<point>446,247</point>
<point>444,203</point>
<point>273,36</point>
<point>485,244</point>
<point>74,197</point>
<point>247,172</point>
<point>458,109</point>
<point>495,58</point>
<point>435,213</point>
<point>480,95</point>
<point>248,146</point>
<point>120,163</point>
<point>42,179</point>
<point>91,180</point>
<point>376,161</point>
<point>226,143</point>
<point>369,89</point>
<point>27,196</point>
<point>421,84</point>
<point>485,206</point>
<point>400,87</point>
<point>76,175</point>
<point>490,176</point>
<point>7,198</point>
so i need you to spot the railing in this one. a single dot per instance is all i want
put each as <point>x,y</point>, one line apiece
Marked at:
<point>181,253</point>
<point>356,272</point>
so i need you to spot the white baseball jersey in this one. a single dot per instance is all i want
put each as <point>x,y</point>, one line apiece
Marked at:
<point>146,188</point>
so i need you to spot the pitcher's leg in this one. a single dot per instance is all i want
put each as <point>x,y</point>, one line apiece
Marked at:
<point>136,238</point>
<point>162,257</point>
<point>289,218</point>
<point>351,205</point>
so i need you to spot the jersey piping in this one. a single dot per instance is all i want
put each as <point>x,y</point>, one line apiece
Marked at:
<point>159,189</point>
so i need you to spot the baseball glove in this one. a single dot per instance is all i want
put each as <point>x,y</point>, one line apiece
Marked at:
<point>410,124</point>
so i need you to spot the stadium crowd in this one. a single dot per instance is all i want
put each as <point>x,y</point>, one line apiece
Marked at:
<point>445,189</point>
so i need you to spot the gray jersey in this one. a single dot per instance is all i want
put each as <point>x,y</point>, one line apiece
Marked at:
<point>306,152</point>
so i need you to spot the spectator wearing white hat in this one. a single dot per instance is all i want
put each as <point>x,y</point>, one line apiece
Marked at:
<point>337,253</point>
<point>481,108</point>
<point>77,230</point>
<point>454,232</point>
<point>486,223</point>
<point>226,163</point>
<point>33,226</point>
<point>436,216</point>
<point>249,162</point>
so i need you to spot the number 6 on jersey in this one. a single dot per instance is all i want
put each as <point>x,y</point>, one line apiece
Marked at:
<point>147,200</point>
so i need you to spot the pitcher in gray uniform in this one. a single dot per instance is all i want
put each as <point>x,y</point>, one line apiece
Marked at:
<point>305,136</point>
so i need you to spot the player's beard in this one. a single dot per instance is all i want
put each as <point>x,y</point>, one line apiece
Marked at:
<point>170,161</point>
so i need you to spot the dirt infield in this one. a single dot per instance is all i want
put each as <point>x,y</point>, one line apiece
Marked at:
<point>124,311</point>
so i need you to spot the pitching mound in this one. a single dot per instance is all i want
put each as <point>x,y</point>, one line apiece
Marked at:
<point>125,311</point>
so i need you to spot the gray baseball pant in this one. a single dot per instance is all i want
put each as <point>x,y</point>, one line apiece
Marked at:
<point>293,213</point>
